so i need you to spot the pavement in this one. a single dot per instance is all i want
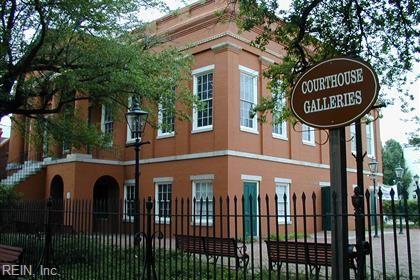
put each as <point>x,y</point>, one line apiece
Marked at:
<point>378,257</point>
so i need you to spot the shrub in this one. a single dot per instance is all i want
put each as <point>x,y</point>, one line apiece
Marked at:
<point>412,208</point>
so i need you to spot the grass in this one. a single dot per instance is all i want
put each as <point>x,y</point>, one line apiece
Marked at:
<point>89,258</point>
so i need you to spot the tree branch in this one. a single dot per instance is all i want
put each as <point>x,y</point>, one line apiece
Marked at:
<point>302,30</point>
<point>22,65</point>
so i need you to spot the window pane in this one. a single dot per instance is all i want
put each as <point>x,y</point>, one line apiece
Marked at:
<point>353,137</point>
<point>283,205</point>
<point>164,191</point>
<point>129,203</point>
<point>108,120</point>
<point>203,206</point>
<point>205,95</point>
<point>247,100</point>
<point>307,133</point>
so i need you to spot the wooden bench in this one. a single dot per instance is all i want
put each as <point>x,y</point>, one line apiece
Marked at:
<point>213,247</point>
<point>9,255</point>
<point>313,254</point>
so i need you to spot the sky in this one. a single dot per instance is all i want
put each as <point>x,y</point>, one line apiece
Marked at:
<point>391,125</point>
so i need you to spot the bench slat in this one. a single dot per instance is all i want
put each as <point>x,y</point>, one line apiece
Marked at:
<point>211,246</point>
<point>10,254</point>
<point>310,253</point>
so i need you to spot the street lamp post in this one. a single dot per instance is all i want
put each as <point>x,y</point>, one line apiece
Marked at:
<point>373,166</point>
<point>417,191</point>
<point>399,173</point>
<point>416,181</point>
<point>136,120</point>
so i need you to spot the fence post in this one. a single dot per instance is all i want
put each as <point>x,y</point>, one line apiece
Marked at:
<point>48,234</point>
<point>357,201</point>
<point>149,271</point>
<point>418,202</point>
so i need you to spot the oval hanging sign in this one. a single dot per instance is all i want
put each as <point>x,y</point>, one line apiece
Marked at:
<point>335,93</point>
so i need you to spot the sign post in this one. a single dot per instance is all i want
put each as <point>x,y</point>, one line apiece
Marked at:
<point>331,95</point>
<point>339,224</point>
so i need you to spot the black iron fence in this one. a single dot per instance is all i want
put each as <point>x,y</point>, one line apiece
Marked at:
<point>212,238</point>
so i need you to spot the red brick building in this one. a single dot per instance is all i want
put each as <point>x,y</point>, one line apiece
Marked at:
<point>221,152</point>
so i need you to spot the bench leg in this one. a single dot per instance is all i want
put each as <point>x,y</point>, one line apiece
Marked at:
<point>313,268</point>
<point>270,265</point>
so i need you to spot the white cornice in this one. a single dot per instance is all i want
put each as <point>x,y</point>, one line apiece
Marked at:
<point>202,155</point>
<point>221,35</point>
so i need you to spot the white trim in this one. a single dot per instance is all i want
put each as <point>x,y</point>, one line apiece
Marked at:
<point>225,45</point>
<point>283,124</point>
<point>254,74</point>
<point>219,153</point>
<point>229,34</point>
<point>279,136</point>
<point>201,70</point>
<point>280,219</point>
<point>202,129</point>
<point>282,136</point>
<point>282,180</point>
<point>76,156</point>
<point>202,177</point>
<point>265,59</point>
<point>159,220</point>
<point>204,221</point>
<point>126,218</point>
<point>248,71</point>
<point>129,181</point>
<point>161,134</point>
<point>165,135</point>
<point>353,137</point>
<point>312,135</point>
<point>102,118</point>
<point>249,130</point>
<point>111,143</point>
<point>245,177</point>
<point>372,144</point>
<point>324,184</point>
<point>163,180</point>
<point>129,140</point>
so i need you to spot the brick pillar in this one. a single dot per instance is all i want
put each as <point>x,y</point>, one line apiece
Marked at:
<point>81,110</point>
<point>34,149</point>
<point>17,141</point>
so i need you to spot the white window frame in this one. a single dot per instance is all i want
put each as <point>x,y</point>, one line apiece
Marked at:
<point>160,133</point>
<point>283,124</point>
<point>126,217</point>
<point>195,220</point>
<point>284,183</point>
<point>311,132</point>
<point>254,74</point>
<point>65,148</point>
<point>161,181</point>
<point>129,138</point>
<point>103,124</point>
<point>370,144</point>
<point>353,138</point>
<point>198,72</point>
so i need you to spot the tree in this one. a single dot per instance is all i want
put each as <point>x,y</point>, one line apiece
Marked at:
<point>383,33</point>
<point>392,157</point>
<point>54,53</point>
<point>414,136</point>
